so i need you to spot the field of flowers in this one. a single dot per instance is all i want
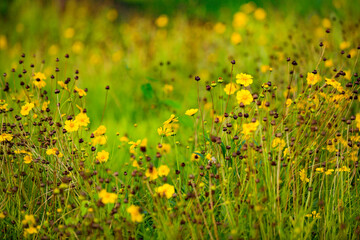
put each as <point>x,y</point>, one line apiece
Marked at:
<point>176,119</point>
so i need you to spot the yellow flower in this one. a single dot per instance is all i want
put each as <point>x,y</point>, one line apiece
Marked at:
<point>6,137</point>
<point>288,102</point>
<point>320,170</point>
<point>303,176</point>
<point>332,82</point>
<point>101,140</point>
<point>219,28</point>
<point>249,128</point>
<point>231,88</point>
<point>168,88</point>
<point>39,80</point>
<point>26,109</point>
<point>244,96</point>
<point>2,215</point>
<point>69,33</point>
<point>80,91</point>
<point>329,171</point>
<point>260,14</point>
<point>162,21</point>
<point>240,20</point>
<point>172,119</point>
<point>101,130</point>
<point>39,75</point>
<point>134,211</point>
<point>163,170</point>
<point>329,63</point>
<point>236,38</point>
<point>344,45</point>
<point>152,173</point>
<point>244,79</point>
<point>29,219</point>
<point>28,159</point>
<point>278,142</point>
<point>191,112</point>
<point>357,120</point>
<point>124,139</point>
<point>62,85</point>
<point>82,119</point>
<point>312,79</point>
<point>165,190</point>
<point>71,126</point>
<point>165,148</point>
<point>107,197</point>
<point>195,156</point>
<point>265,68</point>
<point>45,105</point>
<point>30,230</point>
<point>54,151</point>
<point>102,156</point>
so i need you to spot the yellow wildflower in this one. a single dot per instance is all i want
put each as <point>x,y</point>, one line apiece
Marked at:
<point>26,109</point>
<point>231,88</point>
<point>165,190</point>
<point>191,112</point>
<point>244,79</point>
<point>71,126</point>
<point>134,211</point>
<point>107,197</point>
<point>244,96</point>
<point>152,173</point>
<point>102,156</point>
<point>163,170</point>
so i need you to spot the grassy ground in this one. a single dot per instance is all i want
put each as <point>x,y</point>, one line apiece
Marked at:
<point>272,154</point>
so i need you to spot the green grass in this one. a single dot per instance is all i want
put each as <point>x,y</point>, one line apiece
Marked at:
<point>253,190</point>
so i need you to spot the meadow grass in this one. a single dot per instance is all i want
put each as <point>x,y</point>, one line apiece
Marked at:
<point>179,126</point>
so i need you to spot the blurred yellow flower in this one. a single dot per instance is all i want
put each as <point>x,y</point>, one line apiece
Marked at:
<point>6,137</point>
<point>231,88</point>
<point>303,177</point>
<point>163,170</point>
<point>69,33</point>
<point>236,38</point>
<point>101,130</point>
<point>82,119</point>
<point>165,190</point>
<point>312,79</point>
<point>240,20</point>
<point>191,112</point>
<point>3,42</point>
<point>168,88</point>
<point>102,156</point>
<point>344,45</point>
<point>260,14</point>
<point>219,28</point>
<point>26,109</point>
<point>134,211</point>
<point>107,197</point>
<point>278,143</point>
<point>28,159</point>
<point>326,23</point>
<point>152,173</point>
<point>162,21</point>
<point>288,102</point>
<point>80,91</point>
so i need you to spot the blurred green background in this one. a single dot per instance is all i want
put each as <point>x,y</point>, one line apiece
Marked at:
<point>149,51</point>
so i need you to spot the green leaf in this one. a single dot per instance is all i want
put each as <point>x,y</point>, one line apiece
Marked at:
<point>147,91</point>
